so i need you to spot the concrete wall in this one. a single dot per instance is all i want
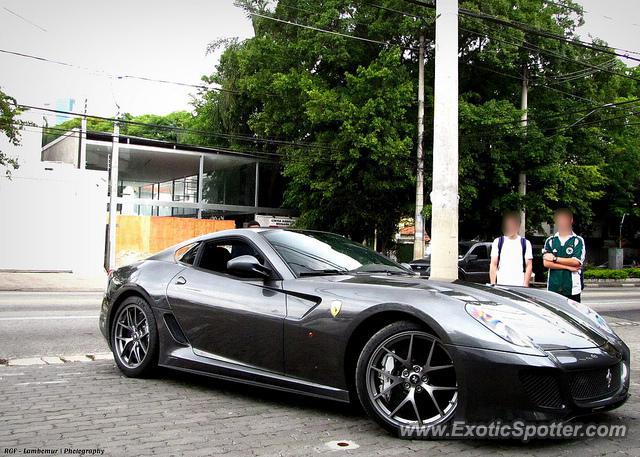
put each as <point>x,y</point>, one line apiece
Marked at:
<point>53,217</point>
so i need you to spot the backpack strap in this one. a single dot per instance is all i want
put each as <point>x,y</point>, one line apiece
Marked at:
<point>500,244</point>
<point>523,243</point>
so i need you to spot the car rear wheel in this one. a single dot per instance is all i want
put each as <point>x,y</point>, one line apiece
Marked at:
<point>134,338</point>
<point>406,380</point>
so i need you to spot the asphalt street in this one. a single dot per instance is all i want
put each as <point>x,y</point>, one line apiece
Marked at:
<point>49,323</point>
<point>63,323</point>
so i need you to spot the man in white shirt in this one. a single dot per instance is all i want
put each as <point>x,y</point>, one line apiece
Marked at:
<point>511,255</point>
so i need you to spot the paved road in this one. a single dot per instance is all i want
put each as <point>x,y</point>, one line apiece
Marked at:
<point>623,302</point>
<point>91,405</point>
<point>49,323</point>
<point>61,323</point>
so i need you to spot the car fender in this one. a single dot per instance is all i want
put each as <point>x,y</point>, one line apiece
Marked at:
<point>398,308</point>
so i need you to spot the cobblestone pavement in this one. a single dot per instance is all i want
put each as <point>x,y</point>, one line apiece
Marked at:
<point>83,405</point>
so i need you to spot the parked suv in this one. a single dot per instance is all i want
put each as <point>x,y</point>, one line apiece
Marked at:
<point>474,260</point>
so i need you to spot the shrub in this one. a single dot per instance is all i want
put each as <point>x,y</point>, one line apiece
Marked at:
<point>633,272</point>
<point>606,274</point>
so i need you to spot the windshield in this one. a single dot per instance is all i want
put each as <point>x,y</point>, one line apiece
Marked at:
<point>317,253</point>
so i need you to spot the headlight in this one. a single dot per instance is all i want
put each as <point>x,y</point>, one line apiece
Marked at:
<point>490,318</point>
<point>592,316</point>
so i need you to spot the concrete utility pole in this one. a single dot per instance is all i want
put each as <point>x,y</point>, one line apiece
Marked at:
<point>113,205</point>
<point>444,196</point>
<point>522,178</point>
<point>418,240</point>
<point>83,139</point>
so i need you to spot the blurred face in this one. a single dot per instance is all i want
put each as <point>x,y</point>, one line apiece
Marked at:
<point>511,225</point>
<point>564,221</point>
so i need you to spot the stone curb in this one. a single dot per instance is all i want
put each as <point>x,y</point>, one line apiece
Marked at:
<point>56,360</point>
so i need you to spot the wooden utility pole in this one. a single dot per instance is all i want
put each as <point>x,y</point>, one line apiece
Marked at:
<point>522,178</point>
<point>444,196</point>
<point>418,241</point>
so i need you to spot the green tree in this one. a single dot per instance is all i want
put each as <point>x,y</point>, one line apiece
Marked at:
<point>172,127</point>
<point>353,101</point>
<point>10,127</point>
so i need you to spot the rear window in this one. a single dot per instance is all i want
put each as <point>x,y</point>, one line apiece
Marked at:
<point>187,254</point>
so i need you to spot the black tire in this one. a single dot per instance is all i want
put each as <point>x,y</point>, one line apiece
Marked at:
<point>365,385</point>
<point>131,366</point>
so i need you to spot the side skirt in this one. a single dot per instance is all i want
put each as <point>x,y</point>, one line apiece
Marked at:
<point>184,359</point>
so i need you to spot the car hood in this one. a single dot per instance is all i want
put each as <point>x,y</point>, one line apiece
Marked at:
<point>547,318</point>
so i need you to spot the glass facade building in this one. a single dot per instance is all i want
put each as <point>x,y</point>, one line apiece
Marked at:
<point>157,178</point>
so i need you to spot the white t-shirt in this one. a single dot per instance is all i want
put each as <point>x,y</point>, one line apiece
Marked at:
<point>510,265</point>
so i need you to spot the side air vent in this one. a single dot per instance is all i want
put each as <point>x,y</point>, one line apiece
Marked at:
<point>174,328</point>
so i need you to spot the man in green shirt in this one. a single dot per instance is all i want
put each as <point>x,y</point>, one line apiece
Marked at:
<point>563,255</point>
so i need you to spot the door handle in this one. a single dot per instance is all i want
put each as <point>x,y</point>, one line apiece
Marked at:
<point>180,281</point>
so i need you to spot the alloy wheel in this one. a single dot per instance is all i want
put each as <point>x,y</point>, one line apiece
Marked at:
<point>411,380</point>
<point>131,336</point>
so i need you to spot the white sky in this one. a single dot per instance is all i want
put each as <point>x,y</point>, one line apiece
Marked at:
<point>163,39</point>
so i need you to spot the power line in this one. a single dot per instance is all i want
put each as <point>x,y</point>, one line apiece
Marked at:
<point>76,134</point>
<point>113,76</point>
<point>538,49</point>
<point>332,32</point>
<point>535,31</point>
<point>42,29</point>
<point>581,10</point>
<point>563,114</point>
<point>238,137</point>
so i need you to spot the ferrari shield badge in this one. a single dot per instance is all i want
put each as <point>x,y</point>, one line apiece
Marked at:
<point>336,306</point>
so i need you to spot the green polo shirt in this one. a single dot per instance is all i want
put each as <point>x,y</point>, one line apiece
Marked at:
<point>565,282</point>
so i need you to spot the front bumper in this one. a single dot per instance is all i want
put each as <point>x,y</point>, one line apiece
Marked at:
<point>562,385</point>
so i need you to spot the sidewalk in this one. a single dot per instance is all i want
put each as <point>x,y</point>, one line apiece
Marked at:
<point>50,282</point>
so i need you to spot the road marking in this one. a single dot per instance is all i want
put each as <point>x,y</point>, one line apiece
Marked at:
<point>55,360</point>
<point>42,318</point>
<point>40,382</point>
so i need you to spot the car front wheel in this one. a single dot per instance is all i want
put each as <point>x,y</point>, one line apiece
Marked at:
<point>406,380</point>
<point>134,338</point>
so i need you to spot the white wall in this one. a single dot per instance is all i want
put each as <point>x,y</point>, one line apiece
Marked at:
<point>52,217</point>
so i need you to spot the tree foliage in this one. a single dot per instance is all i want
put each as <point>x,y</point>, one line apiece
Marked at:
<point>172,127</point>
<point>10,127</point>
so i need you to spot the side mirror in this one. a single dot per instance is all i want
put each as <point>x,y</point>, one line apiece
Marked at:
<point>248,266</point>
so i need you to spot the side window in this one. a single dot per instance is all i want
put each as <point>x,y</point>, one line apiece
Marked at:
<point>481,251</point>
<point>187,254</point>
<point>216,254</point>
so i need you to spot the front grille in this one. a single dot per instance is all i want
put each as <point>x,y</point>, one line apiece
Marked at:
<point>543,389</point>
<point>595,384</point>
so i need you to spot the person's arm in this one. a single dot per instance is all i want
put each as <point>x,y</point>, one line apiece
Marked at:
<point>527,272</point>
<point>528,257</point>
<point>493,267</point>
<point>558,265</point>
<point>493,270</point>
<point>560,262</point>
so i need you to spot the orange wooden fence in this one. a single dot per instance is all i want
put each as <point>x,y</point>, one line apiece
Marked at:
<point>138,237</point>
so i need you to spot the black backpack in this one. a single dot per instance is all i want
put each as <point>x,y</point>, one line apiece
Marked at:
<point>523,243</point>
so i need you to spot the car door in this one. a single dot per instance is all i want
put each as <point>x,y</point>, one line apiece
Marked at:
<point>226,317</point>
<point>477,263</point>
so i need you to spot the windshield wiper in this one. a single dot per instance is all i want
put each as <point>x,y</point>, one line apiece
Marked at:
<point>326,272</point>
